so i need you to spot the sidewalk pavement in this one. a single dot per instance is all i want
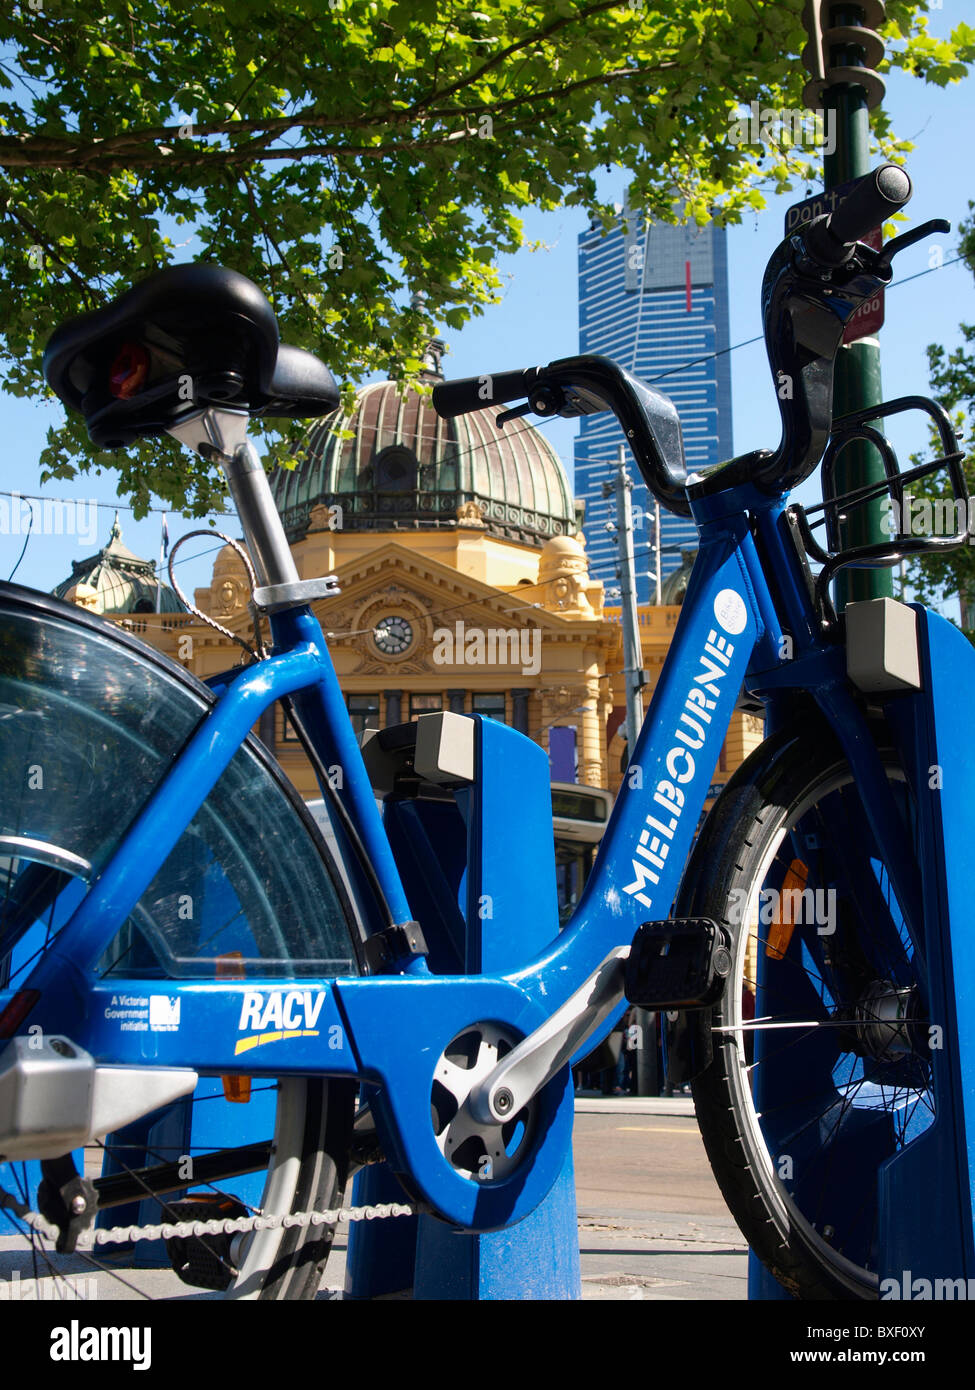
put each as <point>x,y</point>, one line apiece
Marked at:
<point>592,1104</point>
<point>652,1224</point>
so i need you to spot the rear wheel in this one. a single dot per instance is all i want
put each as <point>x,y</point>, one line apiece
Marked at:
<point>89,721</point>
<point>821,1070</point>
<point>307,1173</point>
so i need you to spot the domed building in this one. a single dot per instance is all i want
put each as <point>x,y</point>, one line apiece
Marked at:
<point>393,464</point>
<point>116,581</point>
<point>674,587</point>
<point>439,531</point>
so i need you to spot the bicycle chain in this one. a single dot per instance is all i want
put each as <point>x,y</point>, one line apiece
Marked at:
<point>114,1235</point>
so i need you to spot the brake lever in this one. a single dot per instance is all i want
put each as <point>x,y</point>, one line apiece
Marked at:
<point>901,243</point>
<point>547,399</point>
<point>506,415</point>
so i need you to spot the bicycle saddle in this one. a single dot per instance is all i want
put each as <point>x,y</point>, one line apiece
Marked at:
<point>186,337</point>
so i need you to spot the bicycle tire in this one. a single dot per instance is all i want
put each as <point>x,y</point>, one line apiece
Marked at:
<point>813,1233</point>
<point>49,851</point>
<point>307,1176</point>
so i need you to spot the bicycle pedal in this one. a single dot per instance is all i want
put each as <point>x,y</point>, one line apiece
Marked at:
<point>681,963</point>
<point>203,1261</point>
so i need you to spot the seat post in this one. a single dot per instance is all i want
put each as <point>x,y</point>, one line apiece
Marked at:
<point>222,434</point>
<point>259,519</point>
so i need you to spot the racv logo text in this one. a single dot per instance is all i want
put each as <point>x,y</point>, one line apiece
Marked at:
<point>689,738</point>
<point>277,1014</point>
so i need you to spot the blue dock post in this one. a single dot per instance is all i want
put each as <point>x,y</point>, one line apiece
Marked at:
<point>507,912</point>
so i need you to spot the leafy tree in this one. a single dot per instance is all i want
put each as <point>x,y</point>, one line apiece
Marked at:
<point>348,154</point>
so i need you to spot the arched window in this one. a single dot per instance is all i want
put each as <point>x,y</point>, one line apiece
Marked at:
<point>395,469</point>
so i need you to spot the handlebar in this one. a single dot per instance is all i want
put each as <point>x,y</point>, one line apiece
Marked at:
<point>466,394</point>
<point>814,283</point>
<point>877,196</point>
<point>586,385</point>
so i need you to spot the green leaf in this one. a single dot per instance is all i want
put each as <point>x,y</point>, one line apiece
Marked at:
<point>384,161</point>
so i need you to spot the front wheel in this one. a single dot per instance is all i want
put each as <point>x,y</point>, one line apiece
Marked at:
<point>820,1070</point>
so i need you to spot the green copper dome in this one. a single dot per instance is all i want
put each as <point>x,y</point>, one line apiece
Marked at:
<point>118,581</point>
<point>675,585</point>
<point>403,467</point>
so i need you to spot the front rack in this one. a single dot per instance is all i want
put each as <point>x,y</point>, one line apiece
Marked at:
<point>836,509</point>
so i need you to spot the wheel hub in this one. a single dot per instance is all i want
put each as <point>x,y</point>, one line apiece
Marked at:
<point>884,1019</point>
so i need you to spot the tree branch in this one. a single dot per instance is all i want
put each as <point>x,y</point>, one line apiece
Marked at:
<point>526,42</point>
<point>41,240</point>
<point>550,94</point>
<point>269,235</point>
<point>104,156</point>
<point>312,118</point>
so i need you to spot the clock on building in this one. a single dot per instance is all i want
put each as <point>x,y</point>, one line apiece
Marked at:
<point>393,636</point>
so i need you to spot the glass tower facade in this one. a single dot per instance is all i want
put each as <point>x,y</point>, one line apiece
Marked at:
<point>655,298</point>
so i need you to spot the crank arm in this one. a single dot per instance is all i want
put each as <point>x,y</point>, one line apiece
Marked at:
<point>530,1066</point>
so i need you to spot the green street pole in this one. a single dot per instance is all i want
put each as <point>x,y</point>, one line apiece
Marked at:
<point>857,382</point>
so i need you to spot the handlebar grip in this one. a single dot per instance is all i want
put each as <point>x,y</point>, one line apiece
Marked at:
<point>872,200</point>
<point>875,198</point>
<point>467,394</point>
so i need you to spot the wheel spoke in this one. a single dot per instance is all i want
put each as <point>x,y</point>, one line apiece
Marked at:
<point>823,1073</point>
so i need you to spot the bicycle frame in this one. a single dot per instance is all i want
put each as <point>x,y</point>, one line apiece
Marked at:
<point>388,1030</point>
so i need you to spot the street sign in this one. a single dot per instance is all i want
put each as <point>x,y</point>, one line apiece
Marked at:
<point>815,206</point>
<point>869,318</point>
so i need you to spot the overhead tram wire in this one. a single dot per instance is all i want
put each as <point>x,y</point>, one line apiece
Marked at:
<point>671,549</point>
<point>672,371</point>
<point>23,548</point>
<point>545,420</point>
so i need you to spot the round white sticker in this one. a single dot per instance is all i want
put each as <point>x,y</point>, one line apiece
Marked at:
<point>730,611</point>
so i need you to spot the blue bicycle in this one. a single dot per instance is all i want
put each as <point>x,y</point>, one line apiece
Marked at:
<point>175,925</point>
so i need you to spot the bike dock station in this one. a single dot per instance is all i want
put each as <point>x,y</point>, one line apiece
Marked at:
<point>479,862</point>
<point>926,1233</point>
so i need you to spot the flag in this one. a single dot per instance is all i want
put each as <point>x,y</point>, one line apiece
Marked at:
<point>163,552</point>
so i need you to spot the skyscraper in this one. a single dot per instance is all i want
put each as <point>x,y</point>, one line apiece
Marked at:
<point>665,325</point>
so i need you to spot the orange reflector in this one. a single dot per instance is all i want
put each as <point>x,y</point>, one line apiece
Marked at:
<point>783,925</point>
<point>236,1089</point>
<point>128,373</point>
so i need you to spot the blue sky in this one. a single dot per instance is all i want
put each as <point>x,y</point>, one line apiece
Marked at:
<point>537,321</point>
